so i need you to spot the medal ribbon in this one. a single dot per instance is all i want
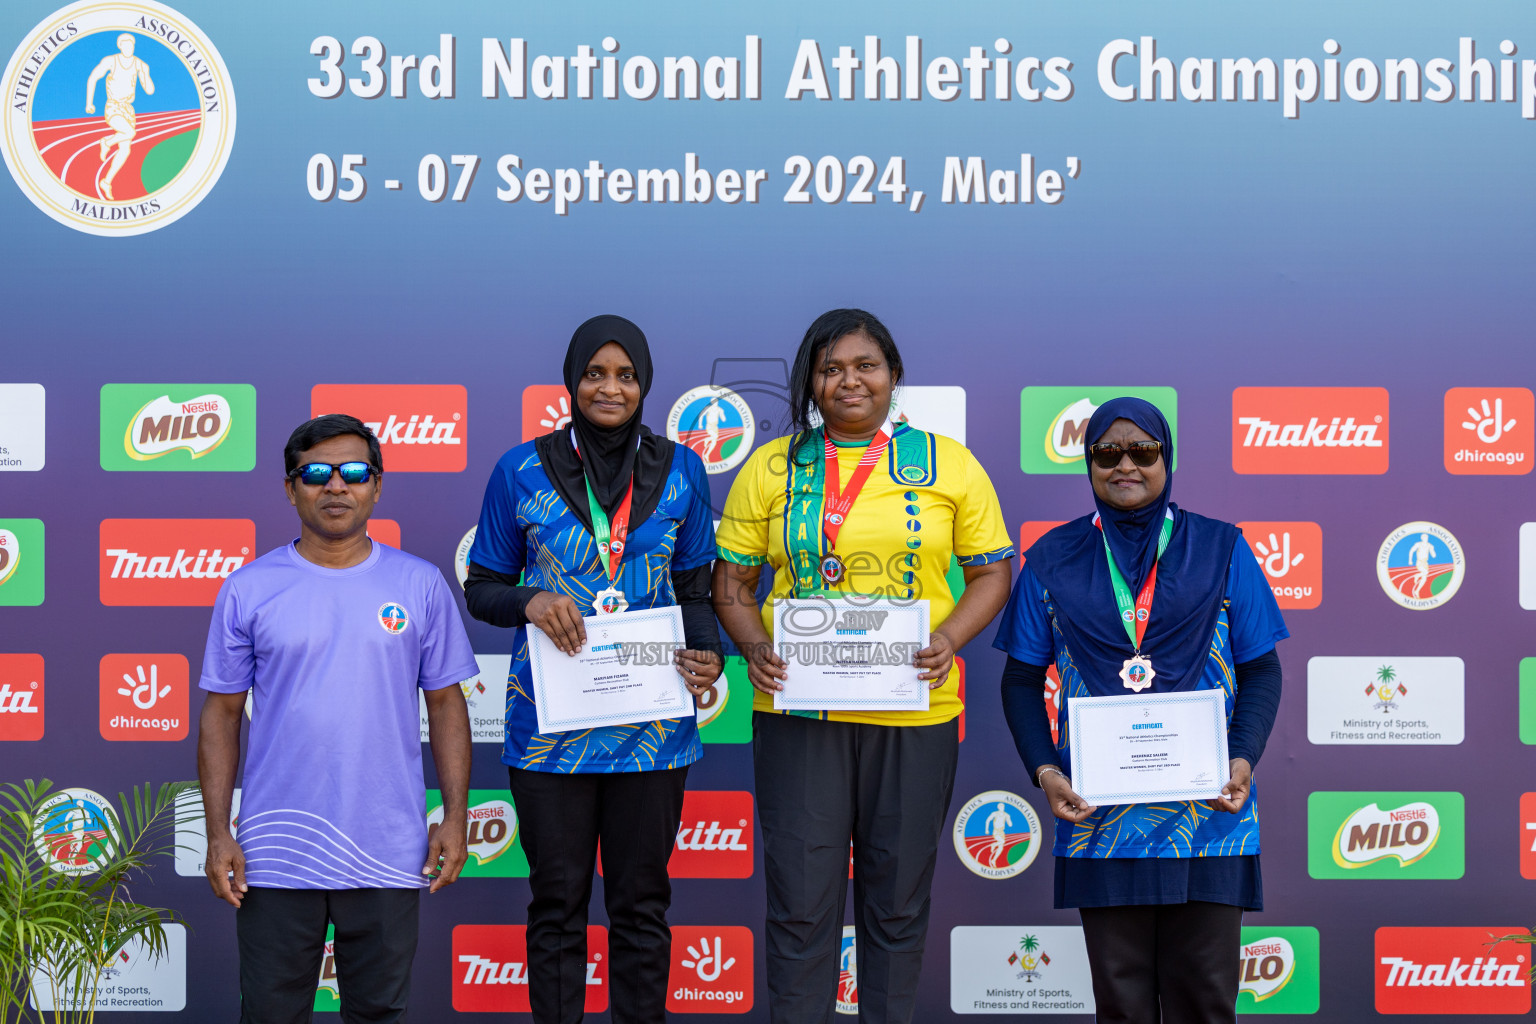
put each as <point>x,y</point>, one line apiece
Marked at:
<point>836,501</point>
<point>1134,615</point>
<point>610,541</point>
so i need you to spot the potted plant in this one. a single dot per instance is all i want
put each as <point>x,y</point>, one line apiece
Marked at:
<point>66,910</point>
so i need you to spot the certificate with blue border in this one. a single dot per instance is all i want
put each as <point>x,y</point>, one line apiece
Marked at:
<point>624,674</point>
<point>850,653</point>
<point>1149,748</point>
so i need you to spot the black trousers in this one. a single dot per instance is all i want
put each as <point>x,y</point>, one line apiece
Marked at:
<point>818,783</point>
<point>562,816</point>
<point>1177,963</point>
<point>281,935</point>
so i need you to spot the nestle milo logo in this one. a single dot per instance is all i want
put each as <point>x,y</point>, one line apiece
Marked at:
<point>1279,970</point>
<point>1386,835</point>
<point>178,427</point>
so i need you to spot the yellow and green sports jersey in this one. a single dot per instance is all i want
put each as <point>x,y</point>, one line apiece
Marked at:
<point>928,499</point>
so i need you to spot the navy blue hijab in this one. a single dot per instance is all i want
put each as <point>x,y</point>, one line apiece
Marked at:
<point>1191,576</point>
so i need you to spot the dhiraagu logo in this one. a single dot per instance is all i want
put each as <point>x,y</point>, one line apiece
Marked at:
<point>1053,423</point>
<point>1386,835</point>
<point>1279,970</point>
<point>178,427</point>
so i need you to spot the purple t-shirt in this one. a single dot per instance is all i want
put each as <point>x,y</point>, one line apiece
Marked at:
<point>333,796</point>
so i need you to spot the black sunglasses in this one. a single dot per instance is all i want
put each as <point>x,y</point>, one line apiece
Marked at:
<point>1142,453</point>
<point>319,473</point>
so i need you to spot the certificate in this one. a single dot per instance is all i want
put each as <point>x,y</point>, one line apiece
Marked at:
<point>624,674</point>
<point>850,654</point>
<point>1155,748</point>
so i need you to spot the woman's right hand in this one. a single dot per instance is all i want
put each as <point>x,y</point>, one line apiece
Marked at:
<point>1063,799</point>
<point>765,668</point>
<point>560,619</point>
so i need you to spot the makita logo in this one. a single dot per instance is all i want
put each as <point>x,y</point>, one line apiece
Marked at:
<point>415,430</point>
<point>1453,971</point>
<point>480,971</point>
<point>17,703</point>
<point>204,565</point>
<point>1310,430</point>
<point>490,969</point>
<point>21,696</point>
<point>1313,434</point>
<point>420,427</point>
<point>711,837</point>
<point>171,561</point>
<point>1479,973</point>
<point>714,839</point>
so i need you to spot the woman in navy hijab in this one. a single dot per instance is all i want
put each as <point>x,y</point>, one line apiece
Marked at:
<point>1161,887</point>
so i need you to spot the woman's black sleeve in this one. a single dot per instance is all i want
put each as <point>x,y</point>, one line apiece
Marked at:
<point>692,589</point>
<point>1024,708</point>
<point>496,598</point>
<point>1254,710</point>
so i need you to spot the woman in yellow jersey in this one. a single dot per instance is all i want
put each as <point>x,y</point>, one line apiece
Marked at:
<point>883,778</point>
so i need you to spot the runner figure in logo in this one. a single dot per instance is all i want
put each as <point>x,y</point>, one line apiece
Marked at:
<point>1420,565</point>
<point>393,618</point>
<point>74,831</point>
<point>124,73</point>
<point>716,423</point>
<point>997,834</point>
<point>159,139</point>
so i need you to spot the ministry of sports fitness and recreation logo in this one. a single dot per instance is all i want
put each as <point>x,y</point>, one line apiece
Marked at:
<point>997,834</point>
<point>716,423</point>
<point>1053,423</point>
<point>1367,701</point>
<point>119,116</point>
<point>75,831</point>
<point>393,617</point>
<point>1421,565</point>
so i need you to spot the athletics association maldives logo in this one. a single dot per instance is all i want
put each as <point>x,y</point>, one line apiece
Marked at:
<point>393,618</point>
<point>716,423</point>
<point>1421,565</point>
<point>119,116</point>
<point>997,834</point>
<point>848,974</point>
<point>75,831</point>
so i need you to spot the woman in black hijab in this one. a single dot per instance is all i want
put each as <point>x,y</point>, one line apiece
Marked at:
<point>598,517</point>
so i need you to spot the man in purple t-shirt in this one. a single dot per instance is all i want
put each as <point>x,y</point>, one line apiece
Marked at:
<point>332,637</point>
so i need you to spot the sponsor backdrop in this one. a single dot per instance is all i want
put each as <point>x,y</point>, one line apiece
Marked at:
<point>1301,229</point>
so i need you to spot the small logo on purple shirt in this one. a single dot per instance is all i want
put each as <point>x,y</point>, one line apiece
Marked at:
<point>393,618</point>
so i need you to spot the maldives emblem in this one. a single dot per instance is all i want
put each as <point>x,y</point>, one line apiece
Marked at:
<point>119,116</point>
<point>716,423</point>
<point>1420,565</point>
<point>997,834</point>
<point>75,831</point>
<point>393,618</point>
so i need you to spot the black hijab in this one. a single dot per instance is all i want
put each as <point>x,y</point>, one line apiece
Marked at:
<point>609,455</point>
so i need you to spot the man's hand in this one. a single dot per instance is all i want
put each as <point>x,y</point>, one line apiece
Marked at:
<point>226,857</point>
<point>447,850</point>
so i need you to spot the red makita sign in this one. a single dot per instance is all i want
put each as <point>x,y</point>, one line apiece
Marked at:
<point>422,428</point>
<point>714,839</point>
<point>1452,971</point>
<point>171,561</point>
<point>490,968</point>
